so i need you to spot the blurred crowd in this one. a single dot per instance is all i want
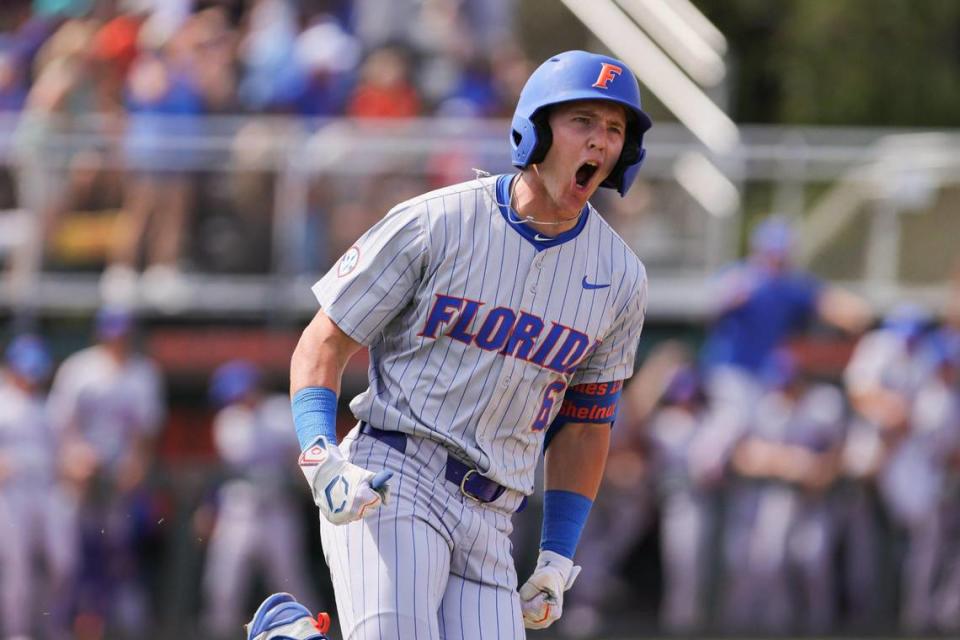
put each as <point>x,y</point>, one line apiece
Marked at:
<point>791,496</point>
<point>112,107</point>
<point>787,495</point>
<point>81,509</point>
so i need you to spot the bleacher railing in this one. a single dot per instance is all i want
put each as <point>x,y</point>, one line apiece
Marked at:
<point>274,201</point>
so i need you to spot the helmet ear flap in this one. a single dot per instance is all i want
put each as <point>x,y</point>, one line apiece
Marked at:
<point>630,156</point>
<point>544,137</point>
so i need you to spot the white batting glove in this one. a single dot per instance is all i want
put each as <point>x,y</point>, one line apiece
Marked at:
<point>343,491</point>
<point>541,596</point>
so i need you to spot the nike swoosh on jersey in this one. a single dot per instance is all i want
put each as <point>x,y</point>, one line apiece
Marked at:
<point>540,238</point>
<point>587,285</point>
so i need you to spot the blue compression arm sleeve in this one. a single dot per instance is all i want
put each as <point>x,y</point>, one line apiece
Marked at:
<point>315,414</point>
<point>564,516</point>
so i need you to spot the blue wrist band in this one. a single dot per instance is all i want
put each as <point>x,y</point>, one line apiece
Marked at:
<point>564,516</point>
<point>315,414</point>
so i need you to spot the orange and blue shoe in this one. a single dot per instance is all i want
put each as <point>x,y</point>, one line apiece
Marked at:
<point>281,617</point>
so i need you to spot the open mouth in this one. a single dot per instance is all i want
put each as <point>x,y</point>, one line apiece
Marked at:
<point>585,173</point>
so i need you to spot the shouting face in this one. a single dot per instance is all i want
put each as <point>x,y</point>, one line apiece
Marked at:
<point>588,136</point>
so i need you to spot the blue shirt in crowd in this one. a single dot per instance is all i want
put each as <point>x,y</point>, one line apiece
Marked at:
<point>760,309</point>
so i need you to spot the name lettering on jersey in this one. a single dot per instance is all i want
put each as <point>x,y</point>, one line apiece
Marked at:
<point>591,402</point>
<point>517,335</point>
<point>607,74</point>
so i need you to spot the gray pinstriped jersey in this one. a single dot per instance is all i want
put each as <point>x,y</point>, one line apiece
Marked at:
<point>476,325</point>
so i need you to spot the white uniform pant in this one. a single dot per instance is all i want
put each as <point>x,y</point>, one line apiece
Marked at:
<point>432,563</point>
<point>38,521</point>
<point>686,524</point>
<point>253,534</point>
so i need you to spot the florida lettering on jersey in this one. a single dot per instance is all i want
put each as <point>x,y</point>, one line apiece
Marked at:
<point>518,335</point>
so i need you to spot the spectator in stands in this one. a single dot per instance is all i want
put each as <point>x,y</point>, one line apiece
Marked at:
<point>378,22</point>
<point>473,93</point>
<point>164,101</point>
<point>490,22</point>
<point>60,102</point>
<point>271,78</point>
<point>210,52</point>
<point>13,83</point>
<point>328,56</point>
<point>385,89</point>
<point>510,68</point>
<point>117,41</point>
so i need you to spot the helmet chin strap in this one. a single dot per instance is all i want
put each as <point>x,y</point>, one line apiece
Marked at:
<point>514,216</point>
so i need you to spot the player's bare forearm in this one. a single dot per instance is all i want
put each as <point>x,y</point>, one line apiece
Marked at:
<point>321,355</point>
<point>844,310</point>
<point>576,458</point>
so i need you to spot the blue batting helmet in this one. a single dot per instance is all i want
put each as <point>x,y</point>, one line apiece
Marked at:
<point>907,320</point>
<point>578,75</point>
<point>232,381</point>
<point>774,235</point>
<point>27,356</point>
<point>113,322</point>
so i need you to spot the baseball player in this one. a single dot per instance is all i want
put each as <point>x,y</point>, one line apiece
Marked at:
<point>502,316</point>
<point>37,517</point>
<point>108,402</point>
<point>761,302</point>
<point>779,521</point>
<point>912,478</point>
<point>686,506</point>
<point>257,522</point>
<point>885,372</point>
<point>946,604</point>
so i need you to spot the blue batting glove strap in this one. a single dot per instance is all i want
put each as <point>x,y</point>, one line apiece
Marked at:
<point>315,415</point>
<point>564,516</point>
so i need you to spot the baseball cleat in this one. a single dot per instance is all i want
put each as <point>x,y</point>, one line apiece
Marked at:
<point>281,617</point>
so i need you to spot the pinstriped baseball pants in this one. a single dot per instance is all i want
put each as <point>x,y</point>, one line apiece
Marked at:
<point>432,564</point>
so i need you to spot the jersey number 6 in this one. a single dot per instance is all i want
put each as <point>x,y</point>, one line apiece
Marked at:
<point>554,391</point>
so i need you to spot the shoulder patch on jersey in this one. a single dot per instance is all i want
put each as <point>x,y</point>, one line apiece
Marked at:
<point>349,261</point>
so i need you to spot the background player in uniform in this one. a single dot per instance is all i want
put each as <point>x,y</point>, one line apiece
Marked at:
<point>926,458</point>
<point>37,517</point>
<point>885,371</point>
<point>762,301</point>
<point>502,316</point>
<point>686,506</point>
<point>625,508</point>
<point>779,528</point>
<point>108,401</point>
<point>258,525</point>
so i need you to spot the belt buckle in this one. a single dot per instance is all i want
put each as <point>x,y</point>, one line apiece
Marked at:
<point>463,485</point>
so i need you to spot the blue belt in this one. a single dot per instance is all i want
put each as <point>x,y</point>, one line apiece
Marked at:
<point>471,483</point>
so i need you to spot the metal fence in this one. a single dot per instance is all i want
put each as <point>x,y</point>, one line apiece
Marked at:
<point>273,201</point>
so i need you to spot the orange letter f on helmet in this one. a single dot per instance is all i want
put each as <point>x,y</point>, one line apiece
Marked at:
<point>607,73</point>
